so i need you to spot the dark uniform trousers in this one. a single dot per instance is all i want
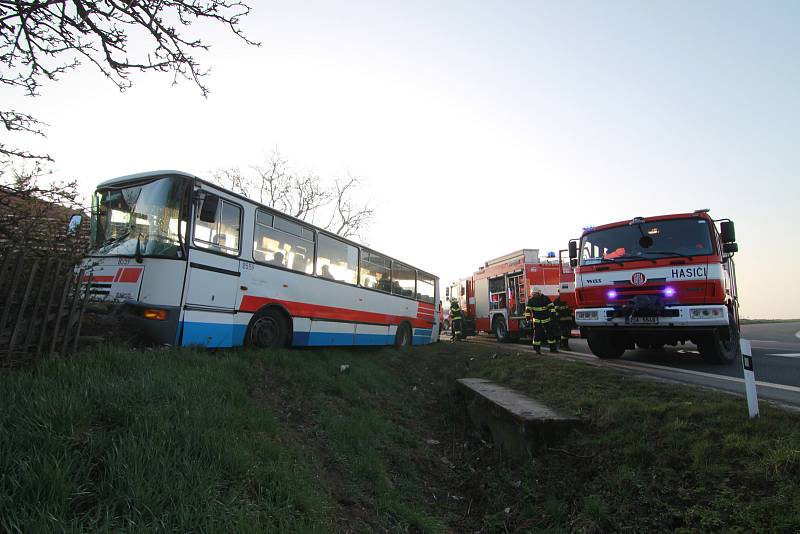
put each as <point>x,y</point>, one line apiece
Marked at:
<point>544,325</point>
<point>565,320</point>
<point>455,320</point>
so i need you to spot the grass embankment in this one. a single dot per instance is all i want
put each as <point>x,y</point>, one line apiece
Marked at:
<point>285,441</point>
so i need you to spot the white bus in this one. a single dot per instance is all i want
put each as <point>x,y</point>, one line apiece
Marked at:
<point>194,264</point>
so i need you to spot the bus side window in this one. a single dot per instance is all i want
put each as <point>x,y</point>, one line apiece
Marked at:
<point>221,230</point>
<point>281,242</point>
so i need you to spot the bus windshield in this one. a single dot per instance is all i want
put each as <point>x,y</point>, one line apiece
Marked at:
<point>146,216</point>
<point>647,240</point>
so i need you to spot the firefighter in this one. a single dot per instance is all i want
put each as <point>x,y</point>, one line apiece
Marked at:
<point>565,320</point>
<point>455,320</point>
<point>529,312</point>
<point>544,318</point>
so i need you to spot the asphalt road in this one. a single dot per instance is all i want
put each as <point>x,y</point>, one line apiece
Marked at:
<point>776,362</point>
<point>776,354</point>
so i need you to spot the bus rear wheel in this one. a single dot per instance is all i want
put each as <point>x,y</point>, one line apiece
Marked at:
<point>268,329</point>
<point>403,336</point>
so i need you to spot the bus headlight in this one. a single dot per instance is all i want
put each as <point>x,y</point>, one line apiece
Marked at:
<point>155,315</point>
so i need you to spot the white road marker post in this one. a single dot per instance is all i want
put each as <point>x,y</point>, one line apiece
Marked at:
<point>749,377</point>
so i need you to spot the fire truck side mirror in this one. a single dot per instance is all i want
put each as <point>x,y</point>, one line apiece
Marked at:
<point>573,262</point>
<point>727,232</point>
<point>447,292</point>
<point>573,251</point>
<point>730,248</point>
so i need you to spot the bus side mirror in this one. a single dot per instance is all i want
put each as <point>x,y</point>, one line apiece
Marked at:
<point>727,232</point>
<point>208,208</point>
<point>730,248</point>
<point>573,251</point>
<point>74,224</point>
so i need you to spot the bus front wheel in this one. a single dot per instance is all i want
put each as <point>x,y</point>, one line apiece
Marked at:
<point>268,329</point>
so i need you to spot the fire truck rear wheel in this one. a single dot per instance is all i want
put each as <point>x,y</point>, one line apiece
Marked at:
<point>500,329</point>
<point>403,336</point>
<point>605,347</point>
<point>268,329</point>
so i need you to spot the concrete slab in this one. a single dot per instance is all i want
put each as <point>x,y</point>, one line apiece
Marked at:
<point>518,424</point>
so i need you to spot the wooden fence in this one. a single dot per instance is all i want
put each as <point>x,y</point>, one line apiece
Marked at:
<point>41,307</point>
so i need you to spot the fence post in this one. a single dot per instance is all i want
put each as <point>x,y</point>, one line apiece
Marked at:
<point>37,304</point>
<point>60,310</point>
<point>12,289</point>
<point>80,314</point>
<point>76,296</point>
<point>21,312</point>
<point>53,287</point>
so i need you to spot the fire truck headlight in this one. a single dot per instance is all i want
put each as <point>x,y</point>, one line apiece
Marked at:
<point>669,291</point>
<point>706,313</point>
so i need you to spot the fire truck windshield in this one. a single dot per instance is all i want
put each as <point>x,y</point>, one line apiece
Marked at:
<point>648,240</point>
<point>139,219</point>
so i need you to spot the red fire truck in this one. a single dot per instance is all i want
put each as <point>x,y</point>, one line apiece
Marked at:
<point>493,298</point>
<point>656,281</point>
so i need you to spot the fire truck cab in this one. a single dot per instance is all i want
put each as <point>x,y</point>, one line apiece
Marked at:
<point>655,281</point>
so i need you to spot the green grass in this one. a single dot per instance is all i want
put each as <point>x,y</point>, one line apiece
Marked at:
<point>186,440</point>
<point>158,440</point>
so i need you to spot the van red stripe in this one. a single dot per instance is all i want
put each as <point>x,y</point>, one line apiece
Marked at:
<point>252,303</point>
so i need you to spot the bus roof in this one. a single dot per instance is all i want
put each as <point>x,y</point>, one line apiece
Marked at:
<point>141,176</point>
<point>152,174</point>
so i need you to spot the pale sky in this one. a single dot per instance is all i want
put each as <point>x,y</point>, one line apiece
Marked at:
<point>482,128</point>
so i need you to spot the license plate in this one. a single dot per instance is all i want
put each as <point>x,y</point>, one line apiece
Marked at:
<point>643,320</point>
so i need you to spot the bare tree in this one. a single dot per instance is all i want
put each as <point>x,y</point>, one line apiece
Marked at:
<point>303,195</point>
<point>42,39</point>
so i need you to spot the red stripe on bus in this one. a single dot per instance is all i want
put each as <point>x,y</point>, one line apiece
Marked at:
<point>98,278</point>
<point>129,275</point>
<point>252,303</point>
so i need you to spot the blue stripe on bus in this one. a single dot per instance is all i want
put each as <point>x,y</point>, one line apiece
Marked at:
<point>220,335</point>
<point>321,339</point>
<point>422,336</point>
<point>213,335</point>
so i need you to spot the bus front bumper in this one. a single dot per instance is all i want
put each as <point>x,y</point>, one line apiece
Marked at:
<point>151,324</point>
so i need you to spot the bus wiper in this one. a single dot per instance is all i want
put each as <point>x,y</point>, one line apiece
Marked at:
<point>669,252</point>
<point>116,239</point>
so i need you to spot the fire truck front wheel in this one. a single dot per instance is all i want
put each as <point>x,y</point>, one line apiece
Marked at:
<point>714,348</point>
<point>605,347</point>
<point>268,329</point>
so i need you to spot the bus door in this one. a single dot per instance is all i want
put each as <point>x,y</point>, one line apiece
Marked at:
<point>212,284</point>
